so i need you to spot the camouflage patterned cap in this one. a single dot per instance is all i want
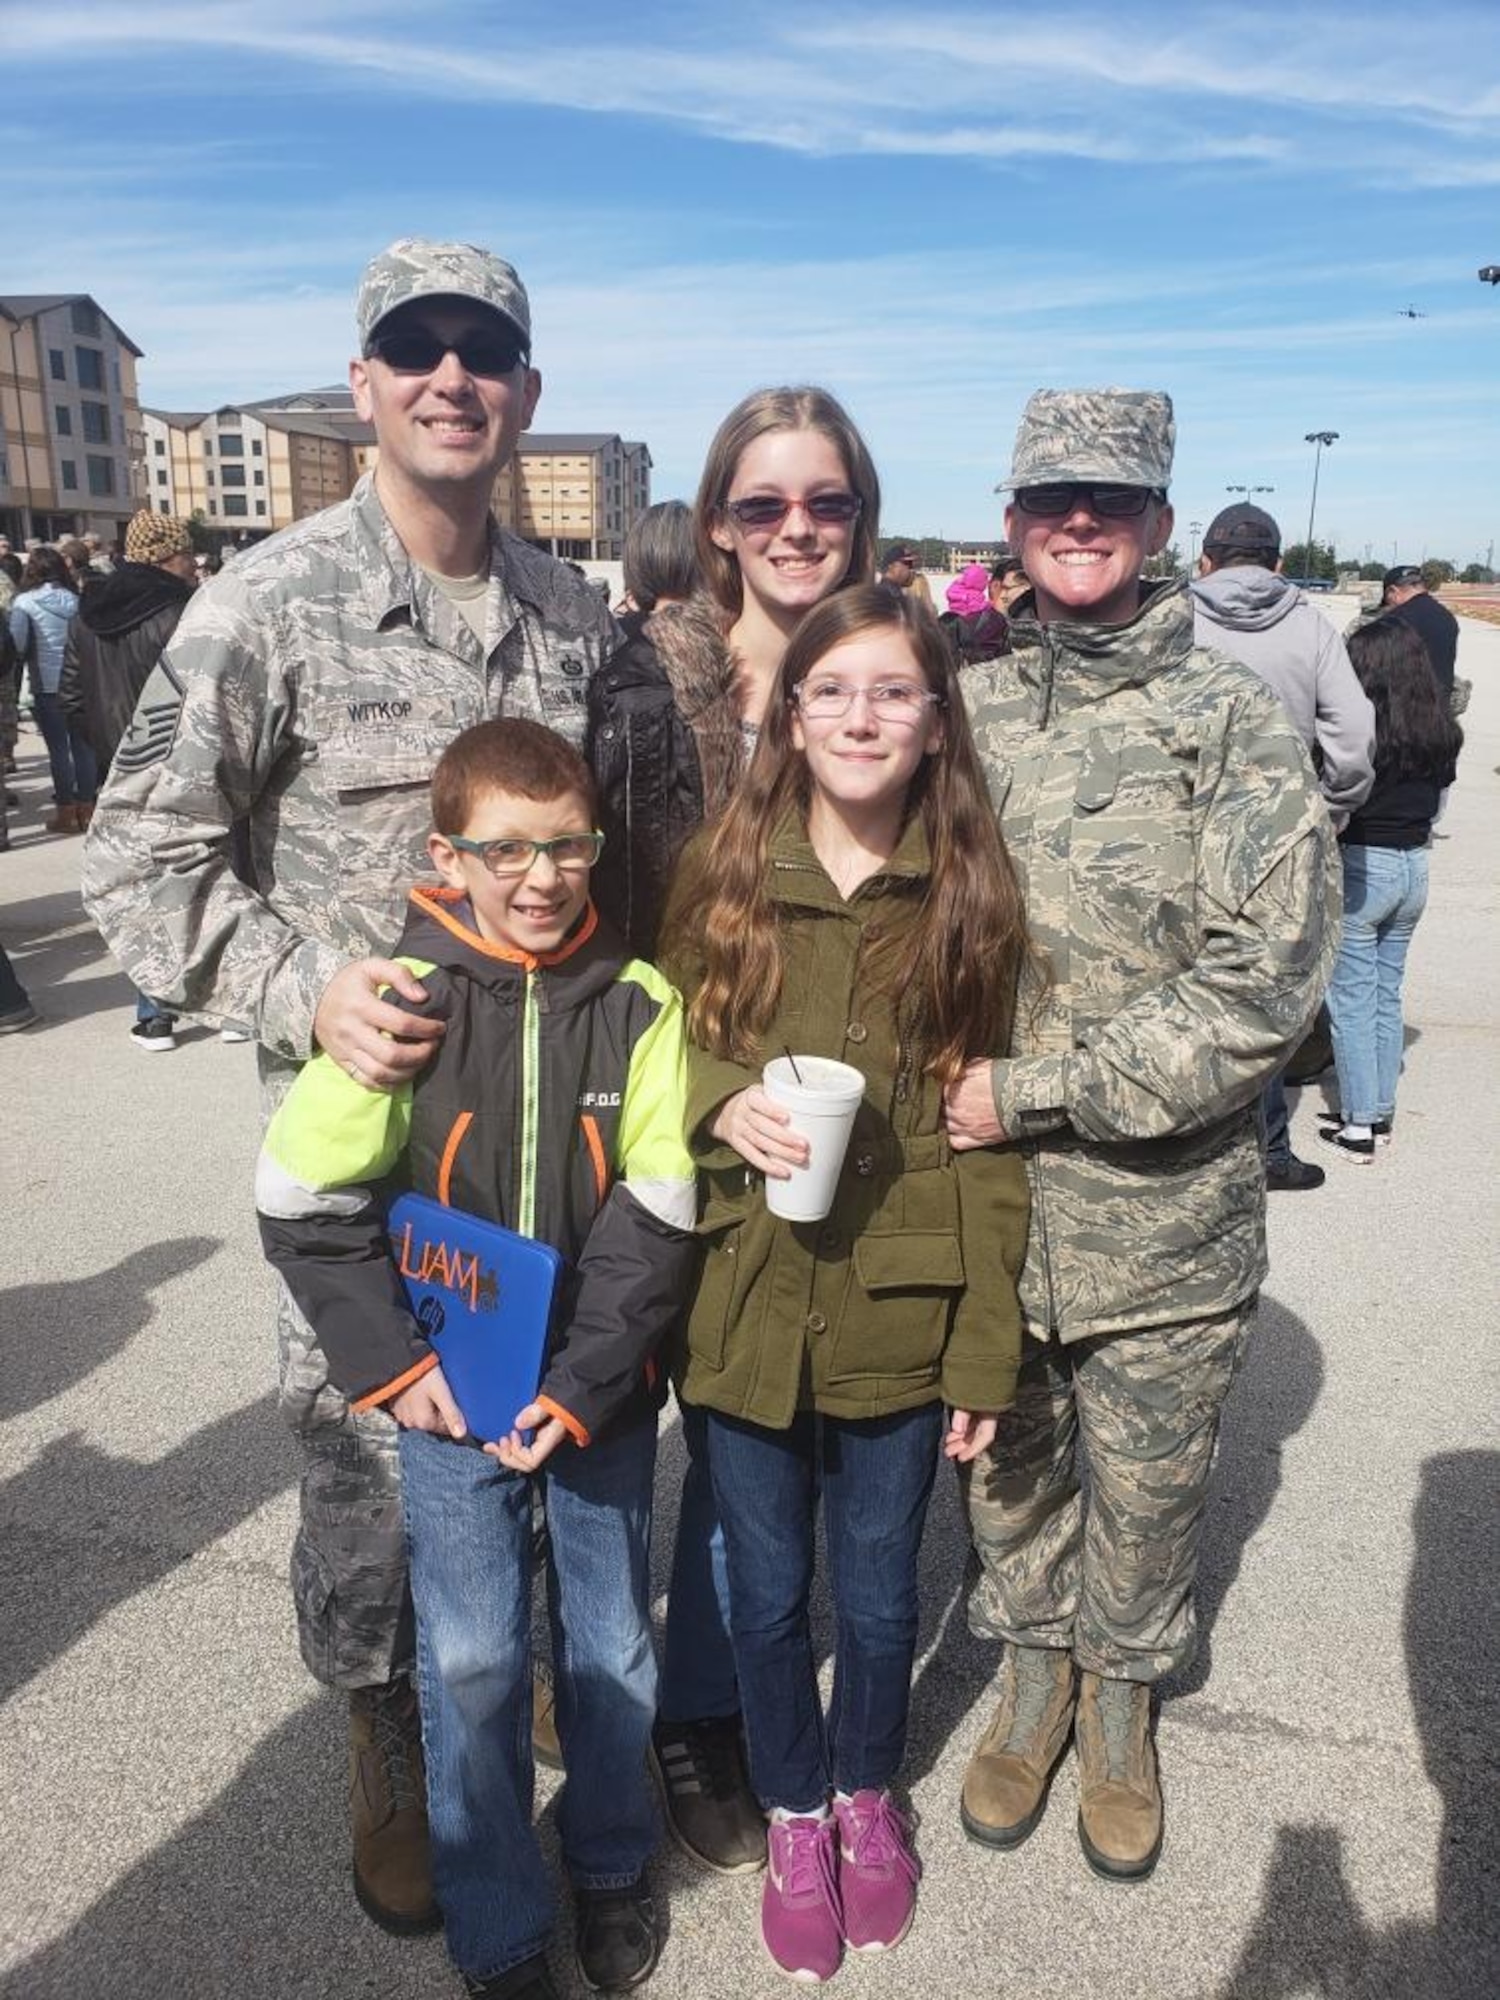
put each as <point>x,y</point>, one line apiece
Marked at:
<point>1124,436</point>
<point>417,268</point>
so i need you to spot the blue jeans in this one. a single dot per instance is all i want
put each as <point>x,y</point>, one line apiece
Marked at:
<point>1275,1122</point>
<point>1385,891</point>
<point>469,1534</point>
<point>147,1009</point>
<point>75,775</point>
<point>697,1673</point>
<point>875,1477</point>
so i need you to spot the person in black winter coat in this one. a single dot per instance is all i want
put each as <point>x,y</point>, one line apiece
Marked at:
<point>124,622</point>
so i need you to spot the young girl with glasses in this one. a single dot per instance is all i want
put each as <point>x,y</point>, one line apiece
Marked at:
<point>786,514</point>
<point>853,902</point>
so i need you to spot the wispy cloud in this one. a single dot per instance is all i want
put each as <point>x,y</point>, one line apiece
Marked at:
<point>958,85</point>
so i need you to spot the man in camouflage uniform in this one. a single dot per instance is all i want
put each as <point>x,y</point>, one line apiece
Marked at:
<point>309,690</point>
<point>1181,886</point>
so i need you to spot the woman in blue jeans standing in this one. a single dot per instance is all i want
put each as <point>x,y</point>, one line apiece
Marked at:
<point>1385,850</point>
<point>44,608</point>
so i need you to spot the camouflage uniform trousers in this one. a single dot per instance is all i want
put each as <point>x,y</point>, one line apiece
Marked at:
<point>348,1568</point>
<point>1107,1574</point>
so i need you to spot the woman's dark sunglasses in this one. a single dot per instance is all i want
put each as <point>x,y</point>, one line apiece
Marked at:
<point>1112,503</point>
<point>769,510</point>
<point>415,350</point>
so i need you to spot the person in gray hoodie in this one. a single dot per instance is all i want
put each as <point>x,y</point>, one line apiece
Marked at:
<point>1244,607</point>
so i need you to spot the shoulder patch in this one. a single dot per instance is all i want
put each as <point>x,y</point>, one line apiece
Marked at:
<point>153,727</point>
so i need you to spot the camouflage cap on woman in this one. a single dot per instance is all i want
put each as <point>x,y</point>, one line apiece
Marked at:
<point>1122,436</point>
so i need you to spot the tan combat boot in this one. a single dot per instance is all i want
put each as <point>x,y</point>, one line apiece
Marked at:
<point>1005,1786</point>
<point>1119,1797</point>
<point>388,1810</point>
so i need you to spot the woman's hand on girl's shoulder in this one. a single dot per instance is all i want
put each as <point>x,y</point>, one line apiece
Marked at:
<point>758,1129</point>
<point>969,1433</point>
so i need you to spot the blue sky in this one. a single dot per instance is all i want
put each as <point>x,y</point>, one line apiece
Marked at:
<point>930,210</point>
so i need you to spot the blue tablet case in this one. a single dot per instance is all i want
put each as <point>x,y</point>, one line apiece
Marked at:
<point>483,1297</point>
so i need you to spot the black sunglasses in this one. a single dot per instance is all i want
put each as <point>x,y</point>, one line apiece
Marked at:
<point>769,510</point>
<point>1113,503</point>
<point>416,350</point>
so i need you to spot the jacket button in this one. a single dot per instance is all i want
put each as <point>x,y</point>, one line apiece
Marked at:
<point>864,1164</point>
<point>730,1248</point>
<point>817,1323</point>
<point>607,733</point>
<point>856,1032</point>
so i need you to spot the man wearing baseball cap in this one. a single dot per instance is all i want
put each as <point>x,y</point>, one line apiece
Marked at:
<point>1404,594</point>
<point>1180,878</point>
<point>310,690</point>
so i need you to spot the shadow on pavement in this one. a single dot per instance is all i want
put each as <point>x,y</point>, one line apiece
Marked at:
<point>250,1896</point>
<point>1311,1937</point>
<point>80,1531</point>
<point>62,1332</point>
<point>1274,1394</point>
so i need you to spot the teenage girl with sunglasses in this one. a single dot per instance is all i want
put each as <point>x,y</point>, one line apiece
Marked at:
<point>853,902</point>
<point>786,515</point>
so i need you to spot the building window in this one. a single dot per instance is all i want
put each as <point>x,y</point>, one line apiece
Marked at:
<point>210,475</point>
<point>57,361</point>
<point>232,475</point>
<point>90,367</point>
<point>236,503</point>
<point>208,447</point>
<point>231,445</point>
<point>86,318</point>
<point>161,475</point>
<point>69,476</point>
<point>96,422</point>
<point>161,447</point>
<point>260,506</point>
<point>260,479</point>
<point>101,474</point>
<point>164,506</point>
<point>255,448</point>
<point>63,420</point>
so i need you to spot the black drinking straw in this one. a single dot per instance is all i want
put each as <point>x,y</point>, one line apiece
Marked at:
<point>793,1061</point>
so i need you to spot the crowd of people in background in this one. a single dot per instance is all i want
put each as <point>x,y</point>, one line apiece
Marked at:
<point>1056,868</point>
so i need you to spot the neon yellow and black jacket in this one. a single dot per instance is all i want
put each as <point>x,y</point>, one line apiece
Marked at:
<point>554,1104</point>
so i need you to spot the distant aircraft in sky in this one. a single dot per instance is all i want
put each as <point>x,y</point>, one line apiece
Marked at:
<point>1409,312</point>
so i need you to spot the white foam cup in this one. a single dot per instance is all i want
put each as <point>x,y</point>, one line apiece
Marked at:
<point>822,1107</point>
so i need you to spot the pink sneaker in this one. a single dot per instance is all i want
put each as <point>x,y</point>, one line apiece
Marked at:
<point>800,1923</point>
<point>877,1871</point>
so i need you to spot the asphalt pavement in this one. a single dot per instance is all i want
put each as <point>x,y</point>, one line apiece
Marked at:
<point>171,1808</point>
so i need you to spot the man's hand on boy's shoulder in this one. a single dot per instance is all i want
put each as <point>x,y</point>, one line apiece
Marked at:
<point>428,1405</point>
<point>547,1435</point>
<point>378,1044</point>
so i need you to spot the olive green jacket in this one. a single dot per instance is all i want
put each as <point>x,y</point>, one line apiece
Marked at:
<point>1182,883</point>
<point>907,1293</point>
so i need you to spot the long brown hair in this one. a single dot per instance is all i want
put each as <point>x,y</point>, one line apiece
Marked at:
<point>790,409</point>
<point>952,972</point>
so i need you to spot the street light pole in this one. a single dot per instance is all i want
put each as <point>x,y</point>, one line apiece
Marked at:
<point>1195,529</point>
<point>1319,438</point>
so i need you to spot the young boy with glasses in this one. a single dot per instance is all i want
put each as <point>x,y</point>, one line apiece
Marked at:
<point>555,1105</point>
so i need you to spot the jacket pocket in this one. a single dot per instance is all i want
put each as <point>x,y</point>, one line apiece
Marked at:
<point>732,1258</point>
<point>897,1317</point>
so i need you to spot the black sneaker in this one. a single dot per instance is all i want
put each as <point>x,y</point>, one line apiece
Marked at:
<point>1292,1175</point>
<point>617,1942</point>
<point>1361,1152</point>
<point>712,1812</point>
<point>530,1980</point>
<point>1380,1128</point>
<point>155,1036</point>
<point>23,1017</point>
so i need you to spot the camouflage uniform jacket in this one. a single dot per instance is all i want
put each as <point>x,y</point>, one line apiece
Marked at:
<point>311,689</point>
<point>1181,882</point>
